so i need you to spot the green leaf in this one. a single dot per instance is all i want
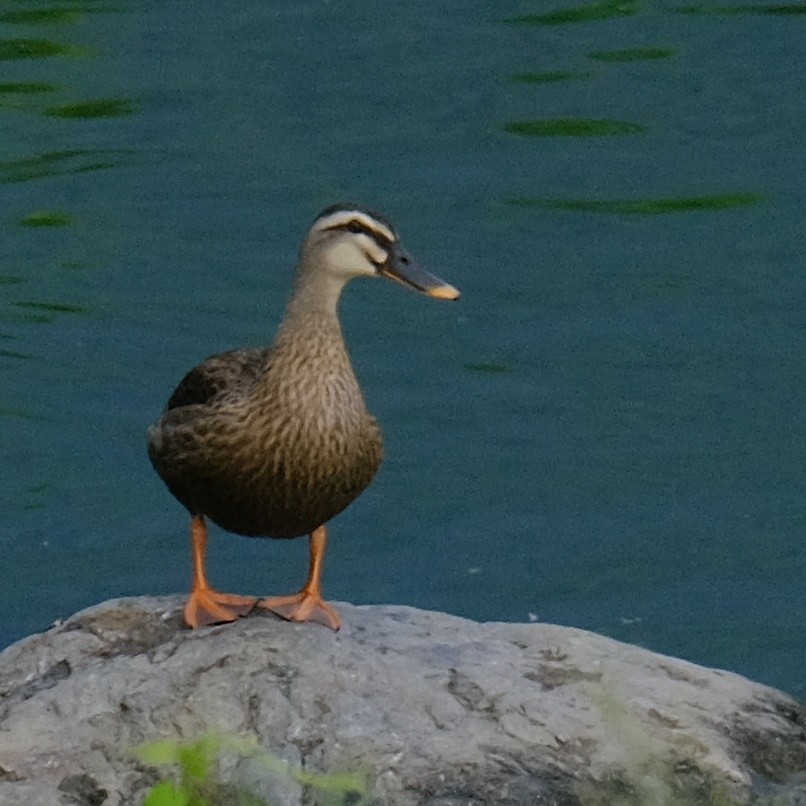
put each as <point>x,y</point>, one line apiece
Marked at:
<point>166,794</point>
<point>157,753</point>
<point>196,760</point>
<point>342,783</point>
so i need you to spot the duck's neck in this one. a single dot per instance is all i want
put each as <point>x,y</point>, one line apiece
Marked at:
<point>311,369</point>
<point>315,292</point>
<point>311,322</point>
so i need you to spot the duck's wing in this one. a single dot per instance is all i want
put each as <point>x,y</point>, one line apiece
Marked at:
<point>220,374</point>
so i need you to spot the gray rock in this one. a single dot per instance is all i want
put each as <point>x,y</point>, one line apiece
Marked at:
<point>433,709</point>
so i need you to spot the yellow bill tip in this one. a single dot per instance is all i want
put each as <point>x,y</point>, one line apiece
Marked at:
<point>444,291</point>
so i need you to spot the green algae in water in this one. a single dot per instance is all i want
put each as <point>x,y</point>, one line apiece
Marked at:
<point>15,354</point>
<point>38,318</point>
<point>26,87</point>
<point>42,16</point>
<point>101,108</point>
<point>34,497</point>
<point>787,9</point>
<point>51,307</point>
<point>632,54</point>
<point>74,265</point>
<point>548,77</point>
<point>56,163</point>
<point>597,11</point>
<point>782,10</point>
<point>573,127</point>
<point>15,49</point>
<point>17,413</point>
<point>725,201</point>
<point>46,218</point>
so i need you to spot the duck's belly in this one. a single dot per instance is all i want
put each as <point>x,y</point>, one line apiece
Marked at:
<point>285,505</point>
<point>269,491</point>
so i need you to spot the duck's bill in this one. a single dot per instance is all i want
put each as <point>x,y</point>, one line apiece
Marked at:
<point>400,266</point>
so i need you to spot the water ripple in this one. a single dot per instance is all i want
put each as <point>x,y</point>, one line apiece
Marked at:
<point>572,127</point>
<point>605,10</point>
<point>55,163</point>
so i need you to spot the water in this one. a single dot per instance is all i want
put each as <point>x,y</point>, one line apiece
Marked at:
<point>606,432</point>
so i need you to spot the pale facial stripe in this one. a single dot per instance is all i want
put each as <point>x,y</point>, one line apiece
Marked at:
<point>371,247</point>
<point>341,218</point>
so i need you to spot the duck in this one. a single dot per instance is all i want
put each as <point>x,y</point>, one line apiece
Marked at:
<point>276,441</point>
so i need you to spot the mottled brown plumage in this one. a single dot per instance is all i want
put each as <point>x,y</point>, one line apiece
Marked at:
<point>275,442</point>
<point>270,443</point>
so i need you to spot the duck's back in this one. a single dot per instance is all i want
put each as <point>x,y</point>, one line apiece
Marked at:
<point>268,442</point>
<point>227,373</point>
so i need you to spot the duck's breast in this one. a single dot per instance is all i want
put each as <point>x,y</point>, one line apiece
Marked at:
<point>278,462</point>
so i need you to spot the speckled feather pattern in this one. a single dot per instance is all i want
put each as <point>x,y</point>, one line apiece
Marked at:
<point>271,442</point>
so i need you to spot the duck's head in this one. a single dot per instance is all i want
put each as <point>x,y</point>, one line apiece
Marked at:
<point>348,241</point>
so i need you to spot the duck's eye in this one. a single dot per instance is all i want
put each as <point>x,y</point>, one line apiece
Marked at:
<point>354,226</point>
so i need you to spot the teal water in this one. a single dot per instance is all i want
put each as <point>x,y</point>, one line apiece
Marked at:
<point>607,431</point>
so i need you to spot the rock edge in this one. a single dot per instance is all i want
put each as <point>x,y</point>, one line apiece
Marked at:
<point>434,709</point>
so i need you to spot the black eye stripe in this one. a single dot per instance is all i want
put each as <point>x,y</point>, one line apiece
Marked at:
<point>355,226</point>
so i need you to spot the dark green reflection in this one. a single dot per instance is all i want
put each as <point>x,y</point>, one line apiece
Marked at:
<point>34,497</point>
<point>54,307</point>
<point>572,127</point>
<point>487,366</point>
<point>5,412</point>
<point>34,318</point>
<point>799,8</point>
<point>604,10</point>
<point>9,279</point>
<point>102,108</point>
<point>631,54</point>
<point>54,163</point>
<point>11,49</point>
<point>26,87</point>
<point>723,201</point>
<point>15,354</point>
<point>39,16</point>
<point>547,77</point>
<point>789,9</point>
<point>46,218</point>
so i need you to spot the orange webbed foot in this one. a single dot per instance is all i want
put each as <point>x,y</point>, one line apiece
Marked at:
<point>206,606</point>
<point>303,606</point>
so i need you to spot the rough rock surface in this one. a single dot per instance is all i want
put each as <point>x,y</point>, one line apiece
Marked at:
<point>433,709</point>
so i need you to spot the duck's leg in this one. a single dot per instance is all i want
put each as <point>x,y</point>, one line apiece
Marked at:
<point>308,605</point>
<point>204,605</point>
